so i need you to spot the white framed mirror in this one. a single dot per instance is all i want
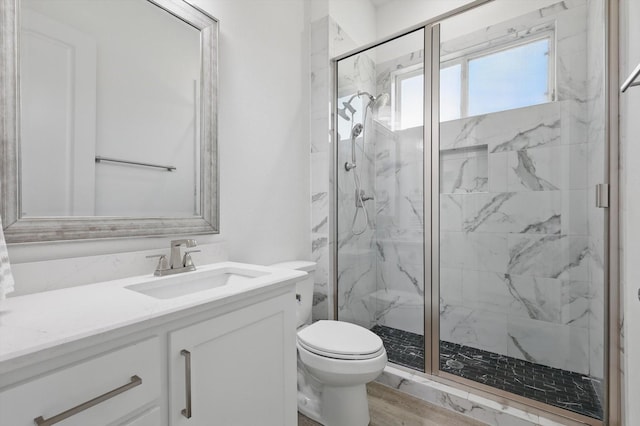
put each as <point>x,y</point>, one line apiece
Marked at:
<point>109,119</point>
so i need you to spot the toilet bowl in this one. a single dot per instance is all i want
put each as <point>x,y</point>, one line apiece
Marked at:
<point>335,362</point>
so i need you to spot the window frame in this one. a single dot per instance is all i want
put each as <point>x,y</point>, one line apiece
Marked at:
<point>464,57</point>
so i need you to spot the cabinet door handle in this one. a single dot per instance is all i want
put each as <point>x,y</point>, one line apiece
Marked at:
<point>40,421</point>
<point>187,381</point>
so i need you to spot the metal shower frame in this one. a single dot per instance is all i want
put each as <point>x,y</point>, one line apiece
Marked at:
<point>612,356</point>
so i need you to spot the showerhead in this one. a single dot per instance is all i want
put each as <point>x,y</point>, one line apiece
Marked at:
<point>342,113</point>
<point>375,101</point>
<point>357,129</point>
<point>347,106</point>
<point>381,100</point>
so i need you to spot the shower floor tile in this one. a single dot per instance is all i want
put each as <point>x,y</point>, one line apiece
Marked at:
<point>572,391</point>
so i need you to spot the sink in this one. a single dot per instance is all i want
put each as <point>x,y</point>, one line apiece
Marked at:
<point>193,282</point>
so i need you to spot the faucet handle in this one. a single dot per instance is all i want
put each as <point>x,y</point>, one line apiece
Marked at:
<point>186,242</point>
<point>163,263</point>
<point>186,260</point>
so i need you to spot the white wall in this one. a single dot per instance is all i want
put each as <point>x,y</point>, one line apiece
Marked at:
<point>400,14</point>
<point>357,18</point>
<point>263,133</point>
<point>263,140</point>
<point>630,230</point>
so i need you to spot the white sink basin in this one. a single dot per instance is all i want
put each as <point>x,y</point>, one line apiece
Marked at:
<point>193,282</point>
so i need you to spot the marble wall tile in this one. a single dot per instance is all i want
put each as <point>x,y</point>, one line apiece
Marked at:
<point>575,128</point>
<point>596,352</point>
<point>356,281</point>
<point>597,320</point>
<point>319,138</point>
<point>572,78</point>
<point>474,327</point>
<point>536,212</point>
<point>450,286</point>
<point>485,290</point>
<point>451,212</point>
<point>485,251</point>
<point>576,300</point>
<point>529,127</point>
<point>398,309</point>
<point>574,212</point>
<point>555,345</point>
<point>401,275</point>
<point>549,256</point>
<point>464,170</point>
<point>548,169</point>
<point>451,255</point>
<point>498,172</point>
<point>535,298</point>
<point>322,291</point>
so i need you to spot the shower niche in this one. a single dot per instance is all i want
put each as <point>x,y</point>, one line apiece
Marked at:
<point>464,170</point>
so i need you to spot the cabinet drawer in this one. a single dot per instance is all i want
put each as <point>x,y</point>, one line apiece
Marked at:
<point>149,418</point>
<point>54,393</point>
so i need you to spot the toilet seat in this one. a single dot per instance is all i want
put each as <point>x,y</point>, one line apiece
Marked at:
<point>340,340</point>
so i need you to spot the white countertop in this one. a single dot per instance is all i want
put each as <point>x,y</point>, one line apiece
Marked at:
<point>34,323</point>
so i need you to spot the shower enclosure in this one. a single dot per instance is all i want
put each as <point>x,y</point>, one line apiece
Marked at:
<point>468,234</point>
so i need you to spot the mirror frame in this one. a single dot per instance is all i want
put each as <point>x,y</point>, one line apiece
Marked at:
<point>18,229</point>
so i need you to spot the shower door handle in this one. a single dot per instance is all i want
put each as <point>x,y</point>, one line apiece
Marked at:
<point>602,195</point>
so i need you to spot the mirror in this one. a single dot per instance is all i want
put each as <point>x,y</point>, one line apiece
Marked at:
<point>111,131</point>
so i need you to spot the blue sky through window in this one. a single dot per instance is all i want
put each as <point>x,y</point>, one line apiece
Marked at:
<point>508,79</point>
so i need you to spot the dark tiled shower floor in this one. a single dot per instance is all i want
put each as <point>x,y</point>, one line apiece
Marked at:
<point>564,389</point>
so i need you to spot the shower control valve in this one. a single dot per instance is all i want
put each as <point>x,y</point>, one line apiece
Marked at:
<point>348,166</point>
<point>361,198</point>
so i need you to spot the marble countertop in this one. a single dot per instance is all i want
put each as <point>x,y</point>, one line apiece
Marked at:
<point>35,323</point>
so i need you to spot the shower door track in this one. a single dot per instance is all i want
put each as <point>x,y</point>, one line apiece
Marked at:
<point>613,390</point>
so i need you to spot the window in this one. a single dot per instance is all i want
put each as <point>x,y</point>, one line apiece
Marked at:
<point>513,76</point>
<point>408,96</point>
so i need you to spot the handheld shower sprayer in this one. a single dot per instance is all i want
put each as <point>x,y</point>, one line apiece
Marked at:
<point>357,129</point>
<point>355,132</point>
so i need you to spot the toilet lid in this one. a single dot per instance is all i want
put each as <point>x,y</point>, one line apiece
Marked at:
<point>340,340</point>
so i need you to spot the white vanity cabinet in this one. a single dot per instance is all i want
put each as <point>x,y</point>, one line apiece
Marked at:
<point>228,353</point>
<point>236,369</point>
<point>128,378</point>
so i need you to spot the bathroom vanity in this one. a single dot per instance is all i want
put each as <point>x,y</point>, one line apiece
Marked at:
<point>213,346</point>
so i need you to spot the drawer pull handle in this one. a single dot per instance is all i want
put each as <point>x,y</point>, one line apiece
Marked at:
<point>40,421</point>
<point>187,379</point>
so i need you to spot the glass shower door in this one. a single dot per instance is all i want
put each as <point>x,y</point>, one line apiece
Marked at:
<point>380,196</point>
<point>522,146</point>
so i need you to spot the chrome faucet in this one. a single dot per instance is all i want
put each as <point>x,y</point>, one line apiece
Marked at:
<point>177,262</point>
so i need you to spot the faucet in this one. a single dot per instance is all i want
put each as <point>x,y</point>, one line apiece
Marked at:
<point>177,262</point>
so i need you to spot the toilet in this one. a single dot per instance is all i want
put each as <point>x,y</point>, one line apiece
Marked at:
<point>335,361</point>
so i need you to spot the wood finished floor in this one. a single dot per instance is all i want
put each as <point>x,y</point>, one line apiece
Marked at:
<point>389,407</point>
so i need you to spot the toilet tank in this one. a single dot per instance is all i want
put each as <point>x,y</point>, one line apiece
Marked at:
<point>304,288</point>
